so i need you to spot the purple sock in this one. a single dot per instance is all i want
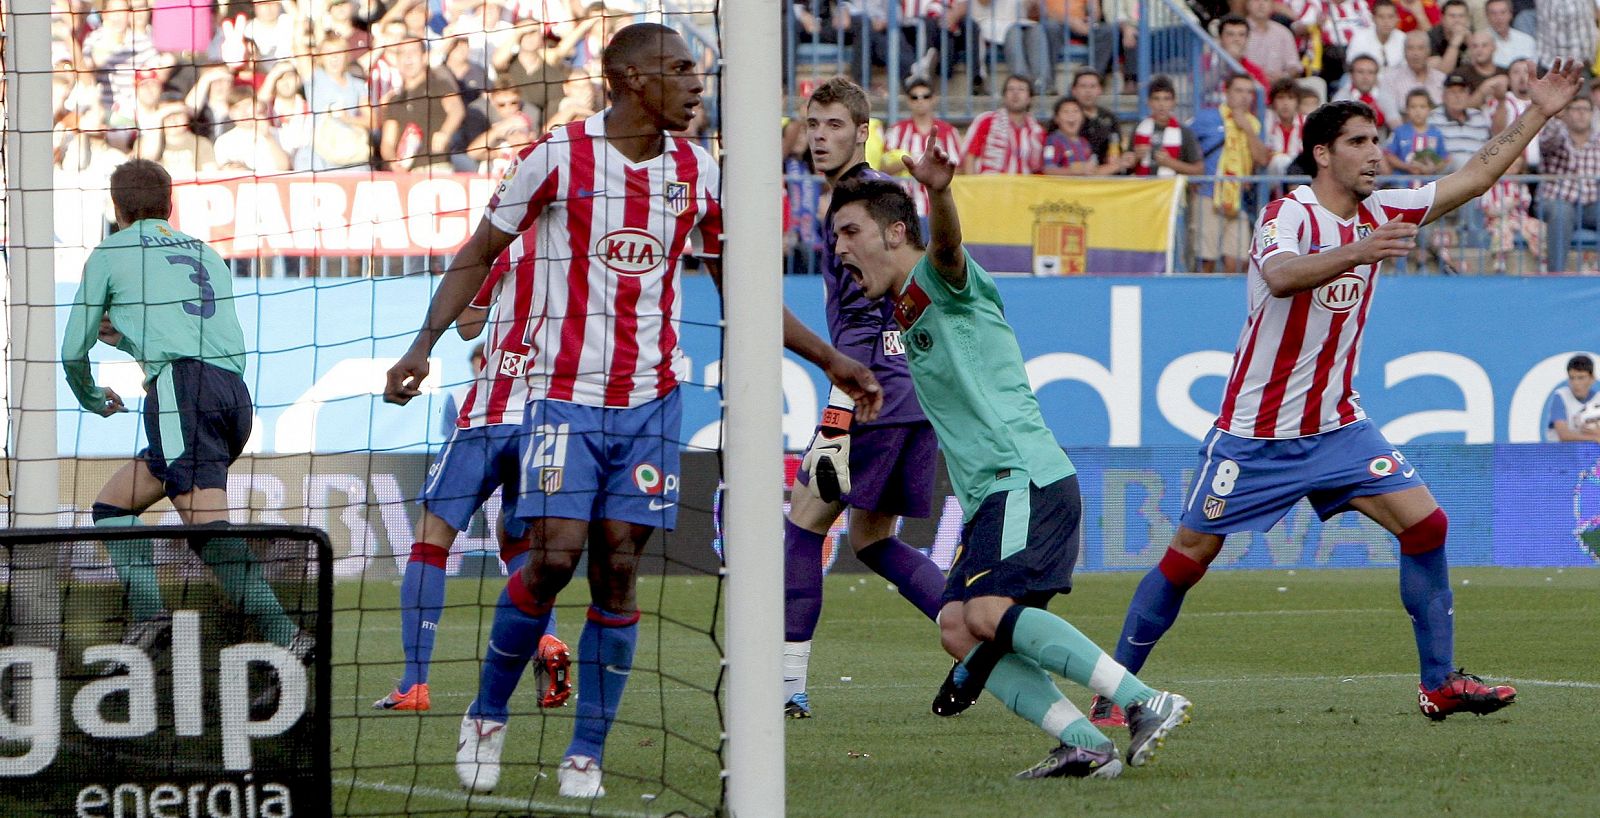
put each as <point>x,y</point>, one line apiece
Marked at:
<point>802,582</point>
<point>919,580</point>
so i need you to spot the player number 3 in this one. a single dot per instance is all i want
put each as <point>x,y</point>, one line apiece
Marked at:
<point>208,296</point>
<point>1227,475</point>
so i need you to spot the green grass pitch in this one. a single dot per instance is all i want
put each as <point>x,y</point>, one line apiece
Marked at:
<point>1303,684</point>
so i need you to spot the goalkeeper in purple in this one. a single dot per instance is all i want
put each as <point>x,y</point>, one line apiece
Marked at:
<point>881,470</point>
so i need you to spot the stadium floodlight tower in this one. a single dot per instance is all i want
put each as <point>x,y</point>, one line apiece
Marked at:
<point>30,334</point>
<point>753,306</point>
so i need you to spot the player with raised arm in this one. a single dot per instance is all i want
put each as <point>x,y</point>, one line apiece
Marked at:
<point>881,470</point>
<point>1018,490</point>
<point>610,204</point>
<point>166,299</point>
<point>1291,425</point>
<point>484,453</point>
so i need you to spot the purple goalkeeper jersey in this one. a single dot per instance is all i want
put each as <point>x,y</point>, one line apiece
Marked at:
<point>865,329</point>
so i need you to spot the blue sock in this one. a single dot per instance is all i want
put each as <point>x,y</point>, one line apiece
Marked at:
<point>421,605</point>
<point>1425,591</point>
<point>513,639</point>
<point>514,565</point>
<point>1155,607</point>
<point>605,658</point>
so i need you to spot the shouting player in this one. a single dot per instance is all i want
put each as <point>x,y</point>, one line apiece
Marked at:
<point>166,298</point>
<point>881,470</point>
<point>1291,426</point>
<point>484,453</point>
<point>609,205</point>
<point>1017,488</point>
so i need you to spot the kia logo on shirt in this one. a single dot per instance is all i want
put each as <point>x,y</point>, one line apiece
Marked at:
<point>630,251</point>
<point>1341,294</point>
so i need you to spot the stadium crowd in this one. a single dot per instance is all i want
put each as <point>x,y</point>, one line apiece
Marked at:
<point>461,85</point>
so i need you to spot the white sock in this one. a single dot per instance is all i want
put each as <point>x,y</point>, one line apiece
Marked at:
<point>796,659</point>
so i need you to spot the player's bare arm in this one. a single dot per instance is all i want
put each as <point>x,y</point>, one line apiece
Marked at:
<point>845,372</point>
<point>1549,95</point>
<point>935,170</point>
<point>1287,274</point>
<point>460,283</point>
<point>470,324</point>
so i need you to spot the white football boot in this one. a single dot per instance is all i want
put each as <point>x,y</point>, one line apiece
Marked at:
<point>580,778</point>
<point>478,753</point>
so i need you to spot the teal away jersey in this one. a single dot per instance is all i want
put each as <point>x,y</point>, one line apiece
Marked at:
<point>171,297</point>
<point>969,376</point>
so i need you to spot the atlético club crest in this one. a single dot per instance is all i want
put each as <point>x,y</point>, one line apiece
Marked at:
<point>1362,231</point>
<point>1213,507</point>
<point>678,198</point>
<point>550,479</point>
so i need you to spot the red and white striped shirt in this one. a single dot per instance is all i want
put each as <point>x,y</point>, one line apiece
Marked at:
<point>904,136</point>
<point>499,392</point>
<point>996,145</point>
<point>608,236</point>
<point>1282,139</point>
<point>1296,357</point>
<point>1339,20</point>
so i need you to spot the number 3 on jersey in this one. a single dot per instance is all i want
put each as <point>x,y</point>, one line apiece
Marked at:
<point>208,296</point>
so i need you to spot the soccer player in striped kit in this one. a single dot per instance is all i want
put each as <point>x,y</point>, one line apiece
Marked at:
<point>612,203</point>
<point>1291,426</point>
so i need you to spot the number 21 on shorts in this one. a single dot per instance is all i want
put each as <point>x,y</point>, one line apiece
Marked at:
<point>1222,485</point>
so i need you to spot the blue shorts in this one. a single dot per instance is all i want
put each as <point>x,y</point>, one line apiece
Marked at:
<point>1246,484</point>
<point>471,466</point>
<point>892,469</point>
<point>197,417</point>
<point>596,463</point>
<point>1022,544</point>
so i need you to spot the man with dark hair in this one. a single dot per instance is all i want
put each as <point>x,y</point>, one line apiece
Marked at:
<point>166,299</point>
<point>1099,124</point>
<point>422,116</point>
<point>1291,427</point>
<point>1573,411</point>
<point>606,377</point>
<point>1364,88</point>
<point>1510,44</point>
<point>1008,140</point>
<point>1160,146</point>
<point>1233,32</point>
<point>881,470</point>
<point>1447,41</point>
<point>1018,490</point>
<point>1230,138</point>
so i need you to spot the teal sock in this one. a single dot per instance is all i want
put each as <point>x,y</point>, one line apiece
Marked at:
<point>134,561</point>
<point>1025,689</point>
<point>240,576</point>
<point>1058,647</point>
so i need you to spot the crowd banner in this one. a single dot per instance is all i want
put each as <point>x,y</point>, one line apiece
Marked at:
<point>1053,225</point>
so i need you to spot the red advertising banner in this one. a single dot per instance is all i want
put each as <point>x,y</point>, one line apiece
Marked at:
<point>332,214</point>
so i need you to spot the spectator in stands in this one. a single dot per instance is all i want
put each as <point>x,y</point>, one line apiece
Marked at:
<point>1339,21</point>
<point>272,30</point>
<point>510,130</point>
<point>144,111</point>
<point>1505,110</point>
<point>421,117</point>
<point>1465,128</point>
<point>1364,87</point>
<point>249,144</point>
<point>1417,146</point>
<point>1385,42</point>
<point>1569,148</point>
<point>537,64</point>
<point>870,21</point>
<point>1284,126</point>
<point>1506,216</point>
<point>470,79</point>
<point>1099,124</point>
<point>1484,79</point>
<point>1566,29</point>
<point>1008,140</point>
<point>340,22</point>
<point>1416,14</point>
<point>1160,146</point>
<point>1398,80</point>
<point>284,101</point>
<point>1006,24</point>
<point>1510,44</point>
<point>1081,21</point>
<point>915,133</point>
<point>1270,44</point>
<point>182,152</point>
<point>1233,34</point>
<point>479,27</point>
<point>339,108</point>
<point>1066,152</point>
<point>115,51</point>
<point>1229,139</point>
<point>1563,411</point>
<point>1447,42</point>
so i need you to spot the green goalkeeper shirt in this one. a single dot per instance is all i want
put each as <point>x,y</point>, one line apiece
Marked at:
<point>969,376</point>
<point>169,294</point>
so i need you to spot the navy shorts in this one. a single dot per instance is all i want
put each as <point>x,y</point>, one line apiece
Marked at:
<point>1248,484</point>
<point>1022,544</point>
<point>197,417</point>
<point>892,469</point>
<point>471,466</point>
<point>597,463</point>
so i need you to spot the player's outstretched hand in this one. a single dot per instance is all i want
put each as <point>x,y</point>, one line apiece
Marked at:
<point>857,381</point>
<point>1557,87</point>
<point>933,169</point>
<point>1393,240</point>
<point>405,377</point>
<point>113,404</point>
